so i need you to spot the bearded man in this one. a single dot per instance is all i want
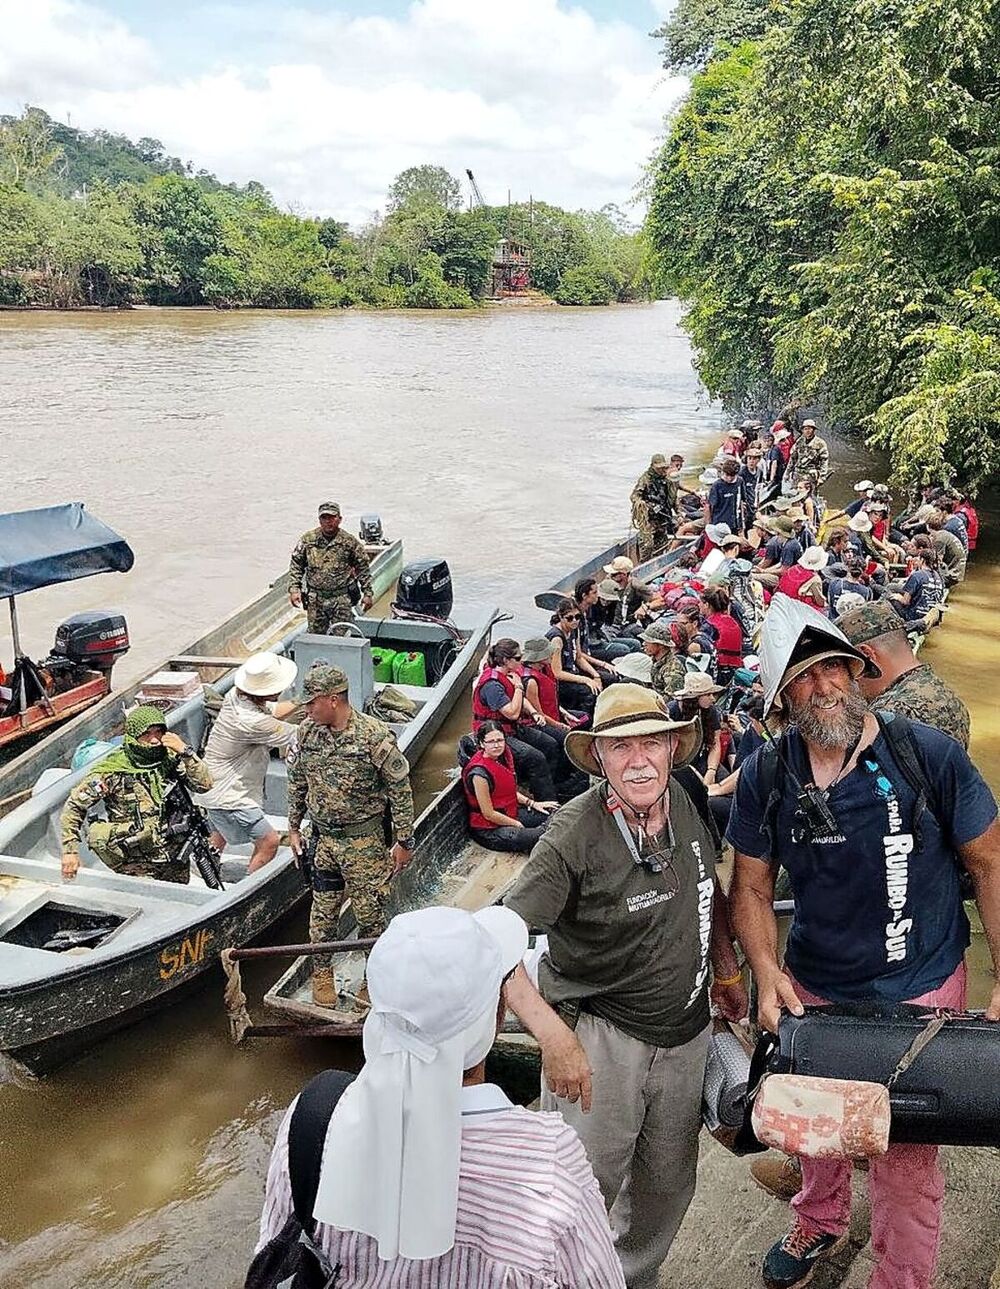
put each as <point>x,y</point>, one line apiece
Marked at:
<point>878,911</point>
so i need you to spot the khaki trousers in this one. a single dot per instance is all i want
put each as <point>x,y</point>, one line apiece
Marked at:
<point>641,1137</point>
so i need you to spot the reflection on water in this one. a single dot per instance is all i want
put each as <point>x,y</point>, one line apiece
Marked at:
<point>507,442</point>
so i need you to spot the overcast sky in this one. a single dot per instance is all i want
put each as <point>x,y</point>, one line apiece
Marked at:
<point>326,102</point>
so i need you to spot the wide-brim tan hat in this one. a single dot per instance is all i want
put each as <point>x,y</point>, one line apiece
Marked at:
<point>265,673</point>
<point>629,711</point>
<point>620,564</point>
<point>696,685</point>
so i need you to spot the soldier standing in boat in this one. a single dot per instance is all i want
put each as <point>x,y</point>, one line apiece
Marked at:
<point>133,783</point>
<point>654,502</point>
<point>331,564</point>
<point>345,773</point>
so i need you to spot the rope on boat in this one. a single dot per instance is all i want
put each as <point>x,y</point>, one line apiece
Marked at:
<point>234,998</point>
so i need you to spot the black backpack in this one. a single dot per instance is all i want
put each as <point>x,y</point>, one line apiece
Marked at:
<point>291,1260</point>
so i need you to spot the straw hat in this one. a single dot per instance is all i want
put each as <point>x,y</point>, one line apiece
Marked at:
<point>265,673</point>
<point>813,557</point>
<point>620,564</point>
<point>628,711</point>
<point>859,523</point>
<point>697,685</point>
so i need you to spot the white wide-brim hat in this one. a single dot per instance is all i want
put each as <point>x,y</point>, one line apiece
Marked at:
<point>814,557</point>
<point>265,673</point>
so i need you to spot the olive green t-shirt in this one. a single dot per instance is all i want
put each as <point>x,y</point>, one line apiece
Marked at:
<point>632,942</point>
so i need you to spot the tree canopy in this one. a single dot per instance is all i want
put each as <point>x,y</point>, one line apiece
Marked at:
<point>91,218</point>
<point>827,204</point>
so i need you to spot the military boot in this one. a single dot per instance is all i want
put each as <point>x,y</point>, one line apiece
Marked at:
<point>324,987</point>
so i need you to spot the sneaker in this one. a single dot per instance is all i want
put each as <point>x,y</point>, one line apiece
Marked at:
<point>779,1175</point>
<point>793,1259</point>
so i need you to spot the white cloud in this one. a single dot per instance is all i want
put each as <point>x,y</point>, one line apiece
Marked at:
<point>534,95</point>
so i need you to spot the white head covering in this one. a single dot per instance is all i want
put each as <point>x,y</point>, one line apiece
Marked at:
<point>392,1151</point>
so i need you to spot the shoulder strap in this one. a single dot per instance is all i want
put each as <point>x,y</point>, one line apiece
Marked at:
<point>898,732</point>
<point>306,1137</point>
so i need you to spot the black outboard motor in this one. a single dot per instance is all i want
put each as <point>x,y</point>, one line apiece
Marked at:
<point>93,640</point>
<point>370,531</point>
<point>425,587</point>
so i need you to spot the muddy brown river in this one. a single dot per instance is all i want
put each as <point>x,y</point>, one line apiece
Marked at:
<point>507,442</point>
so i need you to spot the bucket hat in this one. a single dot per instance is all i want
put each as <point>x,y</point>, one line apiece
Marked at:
<point>717,533</point>
<point>609,591</point>
<point>628,711</point>
<point>637,667</point>
<point>697,685</point>
<point>658,632</point>
<point>620,564</point>
<point>265,673</point>
<point>537,649</point>
<point>864,485</point>
<point>859,523</point>
<point>813,557</point>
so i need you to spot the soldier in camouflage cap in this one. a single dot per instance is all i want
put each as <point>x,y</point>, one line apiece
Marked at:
<point>330,563</point>
<point>345,774</point>
<point>905,685</point>
<point>133,782</point>
<point>668,670</point>
<point>654,503</point>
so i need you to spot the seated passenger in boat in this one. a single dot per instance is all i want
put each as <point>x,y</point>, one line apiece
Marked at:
<point>498,695</point>
<point>802,581</point>
<point>608,615</point>
<point>466,1189</point>
<point>716,613</point>
<point>138,785</point>
<point>922,591</point>
<point>846,577</point>
<point>697,698</point>
<point>952,555</point>
<point>579,683</point>
<point>541,689</point>
<point>247,727</point>
<point>600,650</point>
<point>501,816</point>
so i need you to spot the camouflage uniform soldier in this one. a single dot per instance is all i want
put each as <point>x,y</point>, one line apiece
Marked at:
<point>133,783</point>
<point>329,561</point>
<point>810,455</point>
<point>668,670</point>
<point>346,770</point>
<point>654,499</point>
<point>907,686</point>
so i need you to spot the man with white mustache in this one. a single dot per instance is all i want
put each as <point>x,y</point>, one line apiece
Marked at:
<point>878,907</point>
<point>623,883</point>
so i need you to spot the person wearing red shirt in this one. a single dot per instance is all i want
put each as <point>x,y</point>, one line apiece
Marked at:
<point>714,605</point>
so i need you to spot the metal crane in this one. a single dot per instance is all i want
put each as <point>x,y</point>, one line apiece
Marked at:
<point>478,201</point>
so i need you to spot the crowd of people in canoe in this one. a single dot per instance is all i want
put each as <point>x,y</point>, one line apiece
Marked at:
<point>757,526</point>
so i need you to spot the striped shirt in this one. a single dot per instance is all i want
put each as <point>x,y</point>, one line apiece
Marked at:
<point>530,1214</point>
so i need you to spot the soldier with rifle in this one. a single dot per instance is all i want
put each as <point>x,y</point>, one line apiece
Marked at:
<point>152,827</point>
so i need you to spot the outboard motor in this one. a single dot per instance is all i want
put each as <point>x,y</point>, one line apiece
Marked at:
<point>93,640</point>
<point>370,531</point>
<point>425,587</point>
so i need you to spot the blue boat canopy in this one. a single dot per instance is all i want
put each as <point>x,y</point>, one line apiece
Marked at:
<point>57,544</point>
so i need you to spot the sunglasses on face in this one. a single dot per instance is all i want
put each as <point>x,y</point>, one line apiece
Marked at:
<point>572,617</point>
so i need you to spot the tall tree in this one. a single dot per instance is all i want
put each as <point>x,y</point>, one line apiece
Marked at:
<point>425,186</point>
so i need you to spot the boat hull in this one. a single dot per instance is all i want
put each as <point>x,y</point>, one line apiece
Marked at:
<point>644,572</point>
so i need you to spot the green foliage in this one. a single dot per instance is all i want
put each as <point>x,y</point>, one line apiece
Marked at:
<point>91,218</point>
<point>697,28</point>
<point>423,186</point>
<point>828,204</point>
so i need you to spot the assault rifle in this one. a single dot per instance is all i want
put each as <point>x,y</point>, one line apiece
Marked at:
<point>182,818</point>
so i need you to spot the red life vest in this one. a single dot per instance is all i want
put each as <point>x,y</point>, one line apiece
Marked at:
<point>792,581</point>
<point>503,787</point>
<point>548,691</point>
<point>971,522</point>
<point>729,640</point>
<point>480,712</point>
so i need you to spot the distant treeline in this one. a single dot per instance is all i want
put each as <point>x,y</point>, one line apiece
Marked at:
<point>827,203</point>
<point>91,218</point>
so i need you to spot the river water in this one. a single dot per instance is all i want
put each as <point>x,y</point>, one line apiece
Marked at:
<point>508,442</point>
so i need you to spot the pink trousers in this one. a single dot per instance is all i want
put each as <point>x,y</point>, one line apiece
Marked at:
<point>905,1184</point>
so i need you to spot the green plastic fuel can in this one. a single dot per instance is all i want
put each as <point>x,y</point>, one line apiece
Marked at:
<point>409,669</point>
<point>382,663</point>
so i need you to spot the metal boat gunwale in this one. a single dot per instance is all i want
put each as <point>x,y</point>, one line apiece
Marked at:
<point>643,572</point>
